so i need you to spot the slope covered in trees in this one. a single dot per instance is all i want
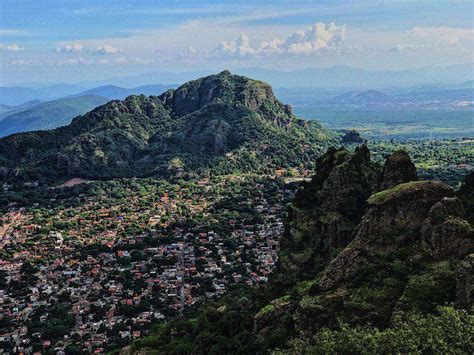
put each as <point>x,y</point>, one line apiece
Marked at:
<point>222,122</point>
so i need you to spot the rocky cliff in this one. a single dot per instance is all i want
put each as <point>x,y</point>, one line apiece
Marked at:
<point>406,248</point>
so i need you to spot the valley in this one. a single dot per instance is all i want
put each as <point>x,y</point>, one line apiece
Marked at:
<point>236,177</point>
<point>210,218</point>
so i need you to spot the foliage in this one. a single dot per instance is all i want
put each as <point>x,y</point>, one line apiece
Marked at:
<point>448,331</point>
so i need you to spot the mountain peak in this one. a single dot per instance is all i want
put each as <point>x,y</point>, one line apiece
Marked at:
<point>225,73</point>
<point>202,122</point>
<point>228,89</point>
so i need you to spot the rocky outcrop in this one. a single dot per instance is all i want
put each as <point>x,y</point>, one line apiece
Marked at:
<point>466,195</point>
<point>353,137</point>
<point>226,88</point>
<point>445,232</point>
<point>393,220</point>
<point>407,248</point>
<point>398,169</point>
<point>325,212</point>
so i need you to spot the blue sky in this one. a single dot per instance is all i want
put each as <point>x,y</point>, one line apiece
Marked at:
<point>68,41</point>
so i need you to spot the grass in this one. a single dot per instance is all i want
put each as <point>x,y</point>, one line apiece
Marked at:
<point>386,195</point>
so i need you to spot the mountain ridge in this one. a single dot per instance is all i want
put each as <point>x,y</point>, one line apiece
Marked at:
<point>48,115</point>
<point>220,121</point>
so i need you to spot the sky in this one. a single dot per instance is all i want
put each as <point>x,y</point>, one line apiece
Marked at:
<point>54,41</point>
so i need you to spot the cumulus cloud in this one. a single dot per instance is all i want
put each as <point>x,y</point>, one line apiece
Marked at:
<point>10,47</point>
<point>192,50</point>
<point>311,40</point>
<point>106,49</point>
<point>70,48</point>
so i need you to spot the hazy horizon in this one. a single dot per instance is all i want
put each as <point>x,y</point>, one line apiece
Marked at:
<point>60,42</point>
<point>369,79</point>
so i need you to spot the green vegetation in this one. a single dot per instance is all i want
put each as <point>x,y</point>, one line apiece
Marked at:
<point>447,160</point>
<point>448,331</point>
<point>219,124</point>
<point>389,194</point>
<point>391,286</point>
<point>221,327</point>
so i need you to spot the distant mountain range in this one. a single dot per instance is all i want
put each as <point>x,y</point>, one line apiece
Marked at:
<point>49,114</point>
<point>37,115</point>
<point>346,77</point>
<point>119,93</point>
<point>16,95</point>
<point>348,93</point>
<point>363,96</point>
<point>6,110</point>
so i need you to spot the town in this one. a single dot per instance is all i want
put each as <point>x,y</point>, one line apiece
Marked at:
<point>95,274</point>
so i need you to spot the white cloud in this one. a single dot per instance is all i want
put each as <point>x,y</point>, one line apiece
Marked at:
<point>10,47</point>
<point>444,36</point>
<point>192,50</point>
<point>70,48</point>
<point>121,60</point>
<point>404,48</point>
<point>25,62</point>
<point>311,40</point>
<point>13,32</point>
<point>136,60</point>
<point>106,49</point>
<point>75,61</point>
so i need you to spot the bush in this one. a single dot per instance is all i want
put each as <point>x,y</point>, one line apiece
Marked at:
<point>448,331</point>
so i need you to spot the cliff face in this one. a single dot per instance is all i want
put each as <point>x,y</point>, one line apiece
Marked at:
<point>398,169</point>
<point>405,248</point>
<point>324,212</point>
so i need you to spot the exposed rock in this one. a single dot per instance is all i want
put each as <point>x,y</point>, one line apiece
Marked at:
<point>445,232</point>
<point>325,212</point>
<point>465,283</point>
<point>353,137</point>
<point>270,316</point>
<point>394,218</point>
<point>398,169</point>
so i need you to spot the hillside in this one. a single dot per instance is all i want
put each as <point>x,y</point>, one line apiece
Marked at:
<point>221,122</point>
<point>372,261</point>
<point>49,114</point>
<point>6,110</point>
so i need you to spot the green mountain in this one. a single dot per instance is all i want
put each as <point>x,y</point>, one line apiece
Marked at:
<point>372,261</point>
<point>48,115</point>
<point>222,123</point>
